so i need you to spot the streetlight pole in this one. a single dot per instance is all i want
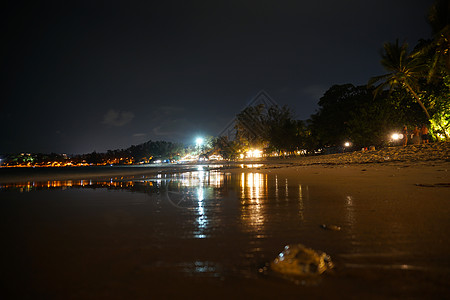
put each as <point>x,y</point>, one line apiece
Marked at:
<point>199,142</point>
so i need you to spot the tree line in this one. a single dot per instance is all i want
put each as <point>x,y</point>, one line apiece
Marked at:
<point>144,153</point>
<point>414,91</point>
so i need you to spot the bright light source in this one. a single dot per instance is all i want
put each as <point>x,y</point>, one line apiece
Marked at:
<point>199,141</point>
<point>254,153</point>
<point>215,157</point>
<point>397,136</point>
<point>347,144</point>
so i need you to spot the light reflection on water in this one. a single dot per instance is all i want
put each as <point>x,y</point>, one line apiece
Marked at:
<point>199,191</point>
<point>253,191</point>
<point>212,223</point>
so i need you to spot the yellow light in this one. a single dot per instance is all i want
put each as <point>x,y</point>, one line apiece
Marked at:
<point>254,153</point>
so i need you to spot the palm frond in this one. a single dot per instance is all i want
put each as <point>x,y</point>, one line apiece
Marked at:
<point>376,79</point>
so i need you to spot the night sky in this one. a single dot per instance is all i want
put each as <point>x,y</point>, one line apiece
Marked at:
<point>79,76</point>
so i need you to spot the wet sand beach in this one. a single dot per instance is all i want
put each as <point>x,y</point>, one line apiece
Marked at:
<point>205,232</point>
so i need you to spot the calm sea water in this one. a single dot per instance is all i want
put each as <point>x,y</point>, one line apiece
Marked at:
<point>205,234</point>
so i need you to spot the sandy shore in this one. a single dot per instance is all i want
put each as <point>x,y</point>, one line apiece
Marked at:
<point>395,169</point>
<point>102,244</point>
<point>414,165</point>
<point>418,162</point>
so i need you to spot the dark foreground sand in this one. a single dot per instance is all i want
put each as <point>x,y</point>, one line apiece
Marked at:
<point>97,244</point>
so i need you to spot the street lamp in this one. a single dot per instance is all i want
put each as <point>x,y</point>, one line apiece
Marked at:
<point>199,141</point>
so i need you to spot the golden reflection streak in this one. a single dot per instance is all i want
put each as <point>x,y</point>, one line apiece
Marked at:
<point>300,201</point>
<point>28,186</point>
<point>190,179</point>
<point>287,189</point>
<point>253,188</point>
<point>276,187</point>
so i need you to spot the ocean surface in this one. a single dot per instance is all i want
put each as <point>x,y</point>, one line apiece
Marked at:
<point>207,233</point>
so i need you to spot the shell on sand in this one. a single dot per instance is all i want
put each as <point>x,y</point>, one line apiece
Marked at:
<point>299,260</point>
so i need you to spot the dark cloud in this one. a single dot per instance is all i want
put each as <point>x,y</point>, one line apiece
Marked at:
<point>117,118</point>
<point>139,135</point>
<point>170,128</point>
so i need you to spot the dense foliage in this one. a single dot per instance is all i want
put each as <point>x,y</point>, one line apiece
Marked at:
<point>423,73</point>
<point>271,128</point>
<point>349,113</point>
<point>414,91</point>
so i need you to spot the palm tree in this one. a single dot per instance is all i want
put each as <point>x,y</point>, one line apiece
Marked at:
<point>437,51</point>
<point>404,71</point>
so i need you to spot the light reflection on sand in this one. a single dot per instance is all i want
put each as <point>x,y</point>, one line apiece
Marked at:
<point>213,224</point>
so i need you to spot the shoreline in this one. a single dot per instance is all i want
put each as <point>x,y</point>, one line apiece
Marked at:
<point>392,215</point>
<point>414,157</point>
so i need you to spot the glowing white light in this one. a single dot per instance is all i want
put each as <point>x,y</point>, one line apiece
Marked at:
<point>397,136</point>
<point>347,144</point>
<point>199,141</point>
<point>215,157</point>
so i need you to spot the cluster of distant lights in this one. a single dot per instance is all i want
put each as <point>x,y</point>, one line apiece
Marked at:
<point>252,153</point>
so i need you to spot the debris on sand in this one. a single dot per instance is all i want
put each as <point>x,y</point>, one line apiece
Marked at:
<point>298,260</point>
<point>330,227</point>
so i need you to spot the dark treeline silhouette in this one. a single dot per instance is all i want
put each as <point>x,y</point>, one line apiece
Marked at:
<point>346,113</point>
<point>415,91</point>
<point>351,113</point>
<point>142,153</point>
<point>145,152</point>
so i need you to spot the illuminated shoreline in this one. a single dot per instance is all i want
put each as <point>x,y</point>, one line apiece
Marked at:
<point>409,156</point>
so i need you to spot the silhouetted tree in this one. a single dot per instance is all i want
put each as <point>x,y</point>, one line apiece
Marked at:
<point>404,71</point>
